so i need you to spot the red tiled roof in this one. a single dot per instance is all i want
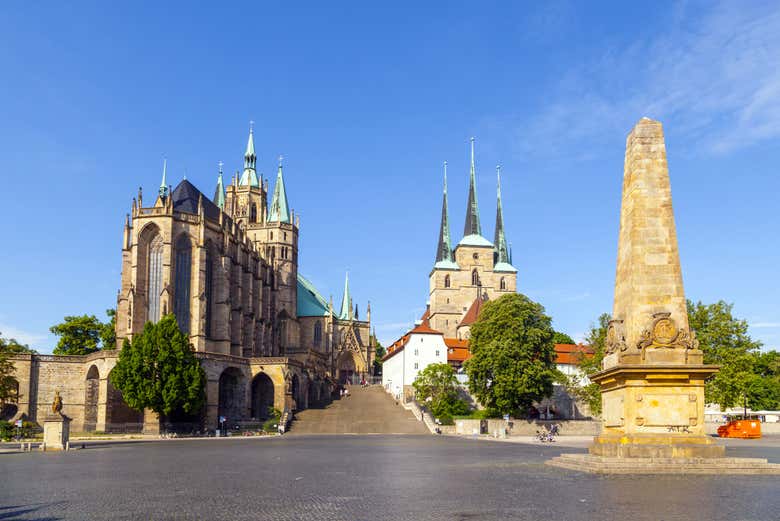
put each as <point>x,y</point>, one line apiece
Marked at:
<point>471,315</point>
<point>571,354</point>
<point>457,350</point>
<point>398,345</point>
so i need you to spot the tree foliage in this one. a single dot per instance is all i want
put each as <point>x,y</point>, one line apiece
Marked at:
<point>379,353</point>
<point>562,338</point>
<point>437,387</point>
<point>85,334</point>
<point>8,384</point>
<point>513,355</point>
<point>583,388</point>
<point>746,377</point>
<point>158,371</point>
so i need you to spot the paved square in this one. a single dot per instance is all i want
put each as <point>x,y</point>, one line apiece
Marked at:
<point>362,478</point>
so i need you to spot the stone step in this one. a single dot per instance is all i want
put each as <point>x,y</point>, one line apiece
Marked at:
<point>601,465</point>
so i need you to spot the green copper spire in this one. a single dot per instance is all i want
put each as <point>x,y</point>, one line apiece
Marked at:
<point>444,257</point>
<point>472,209</point>
<point>502,252</point>
<point>164,183</point>
<point>501,256</point>
<point>279,212</point>
<point>249,177</point>
<point>346,301</point>
<point>219,193</point>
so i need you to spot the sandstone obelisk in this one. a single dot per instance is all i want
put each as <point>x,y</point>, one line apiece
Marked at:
<point>652,378</point>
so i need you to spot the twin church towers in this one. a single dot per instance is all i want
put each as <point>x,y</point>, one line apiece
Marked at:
<point>475,270</point>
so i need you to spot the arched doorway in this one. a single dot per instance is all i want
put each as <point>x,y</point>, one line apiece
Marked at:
<point>91,395</point>
<point>262,396</point>
<point>231,394</point>
<point>313,392</point>
<point>346,368</point>
<point>120,417</point>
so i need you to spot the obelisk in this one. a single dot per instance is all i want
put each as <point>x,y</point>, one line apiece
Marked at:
<point>652,378</point>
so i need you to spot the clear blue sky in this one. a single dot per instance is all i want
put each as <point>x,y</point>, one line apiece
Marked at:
<point>365,102</point>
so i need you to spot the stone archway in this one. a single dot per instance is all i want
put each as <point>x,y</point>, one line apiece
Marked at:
<point>231,394</point>
<point>262,396</point>
<point>91,398</point>
<point>120,417</point>
<point>10,408</point>
<point>347,368</point>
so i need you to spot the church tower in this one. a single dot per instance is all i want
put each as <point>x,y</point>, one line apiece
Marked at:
<point>475,269</point>
<point>246,197</point>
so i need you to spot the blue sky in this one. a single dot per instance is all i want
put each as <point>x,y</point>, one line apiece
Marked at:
<point>365,102</point>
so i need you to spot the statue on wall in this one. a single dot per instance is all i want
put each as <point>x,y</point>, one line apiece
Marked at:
<point>56,406</point>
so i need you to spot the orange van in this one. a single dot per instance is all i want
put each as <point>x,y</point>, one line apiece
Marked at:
<point>740,429</point>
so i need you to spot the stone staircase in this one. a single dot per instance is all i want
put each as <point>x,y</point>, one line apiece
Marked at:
<point>607,465</point>
<point>367,410</point>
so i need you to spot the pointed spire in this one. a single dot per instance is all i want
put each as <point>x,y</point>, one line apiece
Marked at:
<point>163,191</point>
<point>444,250</point>
<point>249,177</point>
<point>346,301</point>
<point>219,193</point>
<point>472,226</point>
<point>280,211</point>
<point>499,242</point>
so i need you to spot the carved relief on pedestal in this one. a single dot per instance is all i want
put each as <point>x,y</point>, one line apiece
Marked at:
<point>664,333</point>
<point>616,337</point>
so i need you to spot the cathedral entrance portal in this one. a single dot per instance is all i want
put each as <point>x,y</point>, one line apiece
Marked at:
<point>230,394</point>
<point>346,367</point>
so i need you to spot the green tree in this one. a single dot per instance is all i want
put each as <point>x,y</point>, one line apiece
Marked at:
<point>437,386</point>
<point>562,338</point>
<point>725,341</point>
<point>11,346</point>
<point>158,371</point>
<point>108,331</point>
<point>513,355</point>
<point>79,335</point>
<point>580,386</point>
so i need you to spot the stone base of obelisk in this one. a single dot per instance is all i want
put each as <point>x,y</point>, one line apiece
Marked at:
<point>56,432</point>
<point>656,446</point>
<point>616,465</point>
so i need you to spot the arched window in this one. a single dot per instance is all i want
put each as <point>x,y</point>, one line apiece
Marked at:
<point>446,281</point>
<point>317,334</point>
<point>209,289</point>
<point>181,305</point>
<point>503,283</point>
<point>253,213</point>
<point>475,278</point>
<point>154,285</point>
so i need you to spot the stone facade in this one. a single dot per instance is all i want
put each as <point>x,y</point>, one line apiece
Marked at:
<point>227,268</point>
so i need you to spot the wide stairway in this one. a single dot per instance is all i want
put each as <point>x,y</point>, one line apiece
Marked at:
<point>367,410</point>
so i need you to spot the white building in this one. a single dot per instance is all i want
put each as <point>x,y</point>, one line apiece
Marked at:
<point>410,354</point>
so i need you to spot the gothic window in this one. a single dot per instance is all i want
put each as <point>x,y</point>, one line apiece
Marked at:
<point>446,281</point>
<point>183,266</point>
<point>317,334</point>
<point>503,283</point>
<point>475,278</point>
<point>253,213</point>
<point>209,290</point>
<point>272,235</point>
<point>154,278</point>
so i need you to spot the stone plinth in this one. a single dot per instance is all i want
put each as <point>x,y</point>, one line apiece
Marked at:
<point>56,432</point>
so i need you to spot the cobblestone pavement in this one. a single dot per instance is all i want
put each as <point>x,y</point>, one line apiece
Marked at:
<point>361,478</point>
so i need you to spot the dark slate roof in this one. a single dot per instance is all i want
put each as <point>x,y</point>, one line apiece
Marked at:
<point>185,199</point>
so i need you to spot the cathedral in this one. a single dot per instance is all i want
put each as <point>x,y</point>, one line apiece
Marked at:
<point>474,271</point>
<point>227,268</point>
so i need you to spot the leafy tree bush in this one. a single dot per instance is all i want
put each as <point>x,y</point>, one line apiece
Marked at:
<point>513,355</point>
<point>272,423</point>
<point>9,431</point>
<point>85,334</point>
<point>158,371</point>
<point>437,387</point>
<point>562,338</point>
